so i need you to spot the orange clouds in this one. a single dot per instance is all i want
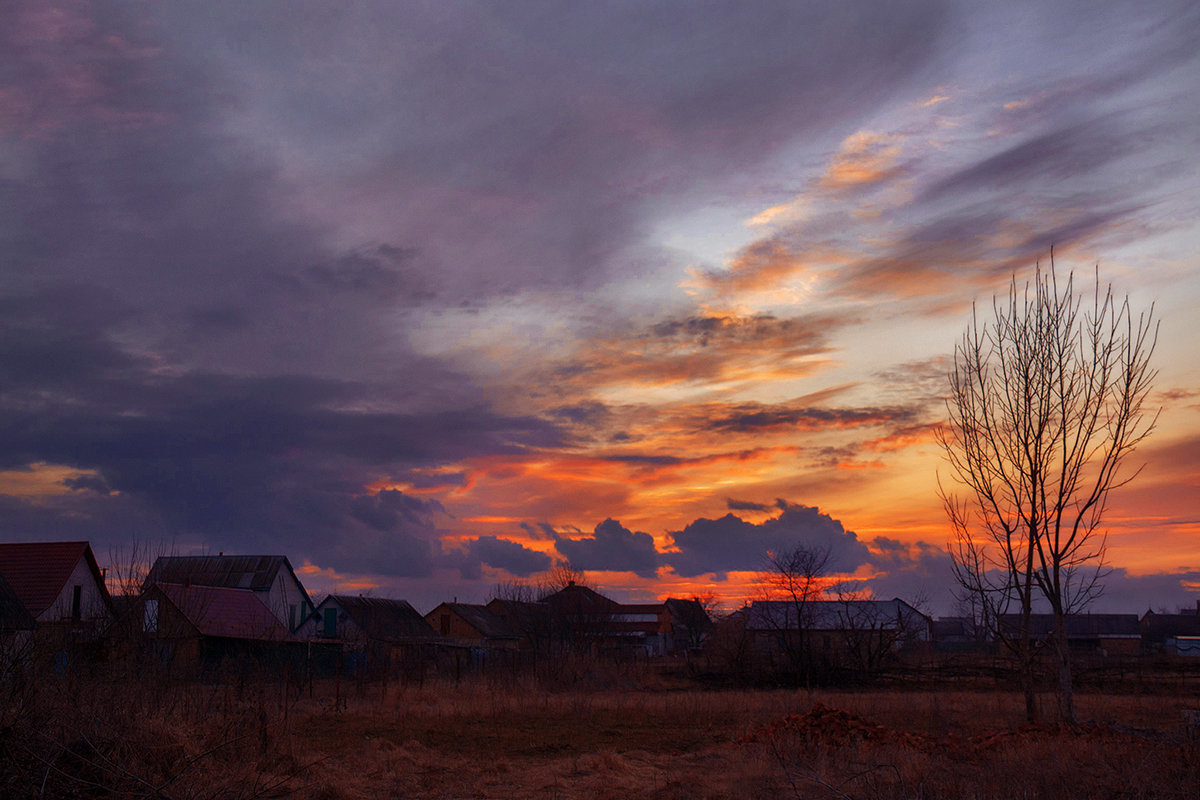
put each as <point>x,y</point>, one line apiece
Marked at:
<point>863,158</point>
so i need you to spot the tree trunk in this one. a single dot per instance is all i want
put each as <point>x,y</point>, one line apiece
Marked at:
<point>1025,658</point>
<point>1066,694</point>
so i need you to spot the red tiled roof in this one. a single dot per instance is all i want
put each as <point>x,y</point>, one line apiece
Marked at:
<point>38,571</point>
<point>228,613</point>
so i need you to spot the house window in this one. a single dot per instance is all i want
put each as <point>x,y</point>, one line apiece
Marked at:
<point>331,622</point>
<point>445,621</point>
<point>150,616</point>
<point>77,603</point>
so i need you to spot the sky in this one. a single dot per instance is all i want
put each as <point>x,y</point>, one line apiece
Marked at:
<point>431,297</point>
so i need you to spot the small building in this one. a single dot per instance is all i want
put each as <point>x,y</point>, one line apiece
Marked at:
<point>271,578</point>
<point>375,634</point>
<point>1095,634</point>
<point>203,626</point>
<point>59,584</point>
<point>1161,632</point>
<point>473,626</point>
<point>860,635</point>
<point>582,616</point>
<point>360,619</point>
<point>530,620</point>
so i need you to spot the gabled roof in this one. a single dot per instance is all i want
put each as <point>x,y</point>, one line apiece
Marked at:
<point>689,613</point>
<point>38,571</point>
<point>834,615</point>
<point>482,620</point>
<point>226,613</point>
<point>382,619</point>
<point>256,573</point>
<point>574,598</point>
<point>13,615</point>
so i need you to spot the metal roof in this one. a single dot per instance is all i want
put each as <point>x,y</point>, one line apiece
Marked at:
<point>38,571</point>
<point>382,619</point>
<point>223,612</point>
<point>834,615</point>
<point>232,572</point>
<point>481,619</point>
<point>1077,626</point>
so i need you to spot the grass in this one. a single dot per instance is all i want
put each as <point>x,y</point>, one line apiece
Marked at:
<point>480,740</point>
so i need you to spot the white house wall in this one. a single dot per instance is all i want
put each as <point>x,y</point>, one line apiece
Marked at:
<point>91,601</point>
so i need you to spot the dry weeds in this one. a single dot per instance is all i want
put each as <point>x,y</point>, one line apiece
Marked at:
<point>477,740</point>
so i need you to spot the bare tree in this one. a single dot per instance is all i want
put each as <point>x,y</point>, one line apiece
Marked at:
<point>1047,398</point>
<point>795,579</point>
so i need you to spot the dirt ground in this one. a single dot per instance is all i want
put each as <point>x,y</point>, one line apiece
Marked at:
<point>223,741</point>
<point>480,744</point>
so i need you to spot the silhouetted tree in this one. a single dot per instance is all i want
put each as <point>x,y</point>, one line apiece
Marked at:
<point>795,578</point>
<point>1046,401</point>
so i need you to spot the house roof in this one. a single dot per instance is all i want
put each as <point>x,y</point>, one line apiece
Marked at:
<point>574,598</point>
<point>1156,627</point>
<point>1078,626</point>
<point>383,619</point>
<point>833,615</point>
<point>481,619</point>
<point>227,613</point>
<point>13,614</point>
<point>38,571</point>
<point>256,573</point>
<point>689,613</point>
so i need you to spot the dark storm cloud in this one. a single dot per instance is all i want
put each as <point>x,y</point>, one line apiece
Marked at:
<point>611,547</point>
<point>746,505</point>
<point>746,417</point>
<point>277,460</point>
<point>510,556</point>
<point>1136,594</point>
<point>730,543</point>
<point>519,144</point>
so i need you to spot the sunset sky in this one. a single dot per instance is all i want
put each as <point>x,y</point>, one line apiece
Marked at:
<point>432,296</point>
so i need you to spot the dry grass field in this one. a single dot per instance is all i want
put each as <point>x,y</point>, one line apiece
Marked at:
<point>479,740</point>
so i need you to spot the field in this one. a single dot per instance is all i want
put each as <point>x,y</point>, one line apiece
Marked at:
<point>511,740</point>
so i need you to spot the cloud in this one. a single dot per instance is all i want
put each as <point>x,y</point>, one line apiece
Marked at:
<point>729,544</point>
<point>611,547</point>
<point>504,554</point>
<point>702,349</point>
<point>746,505</point>
<point>747,417</point>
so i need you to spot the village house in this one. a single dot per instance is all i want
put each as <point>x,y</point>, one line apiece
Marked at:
<point>473,626</point>
<point>374,634</point>
<point>60,585</point>
<point>862,635</point>
<point>582,617</point>
<point>1172,634</point>
<point>1087,634</point>
<point>270,578</point>
<point>200,626</point>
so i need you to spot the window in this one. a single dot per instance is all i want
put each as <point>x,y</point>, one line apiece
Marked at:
<point>150,616</point>
<point>77,603</point>
<point>445,622</point>
<point>330,622</point>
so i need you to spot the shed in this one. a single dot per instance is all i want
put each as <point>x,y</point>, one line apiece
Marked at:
<point>473,625</point>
